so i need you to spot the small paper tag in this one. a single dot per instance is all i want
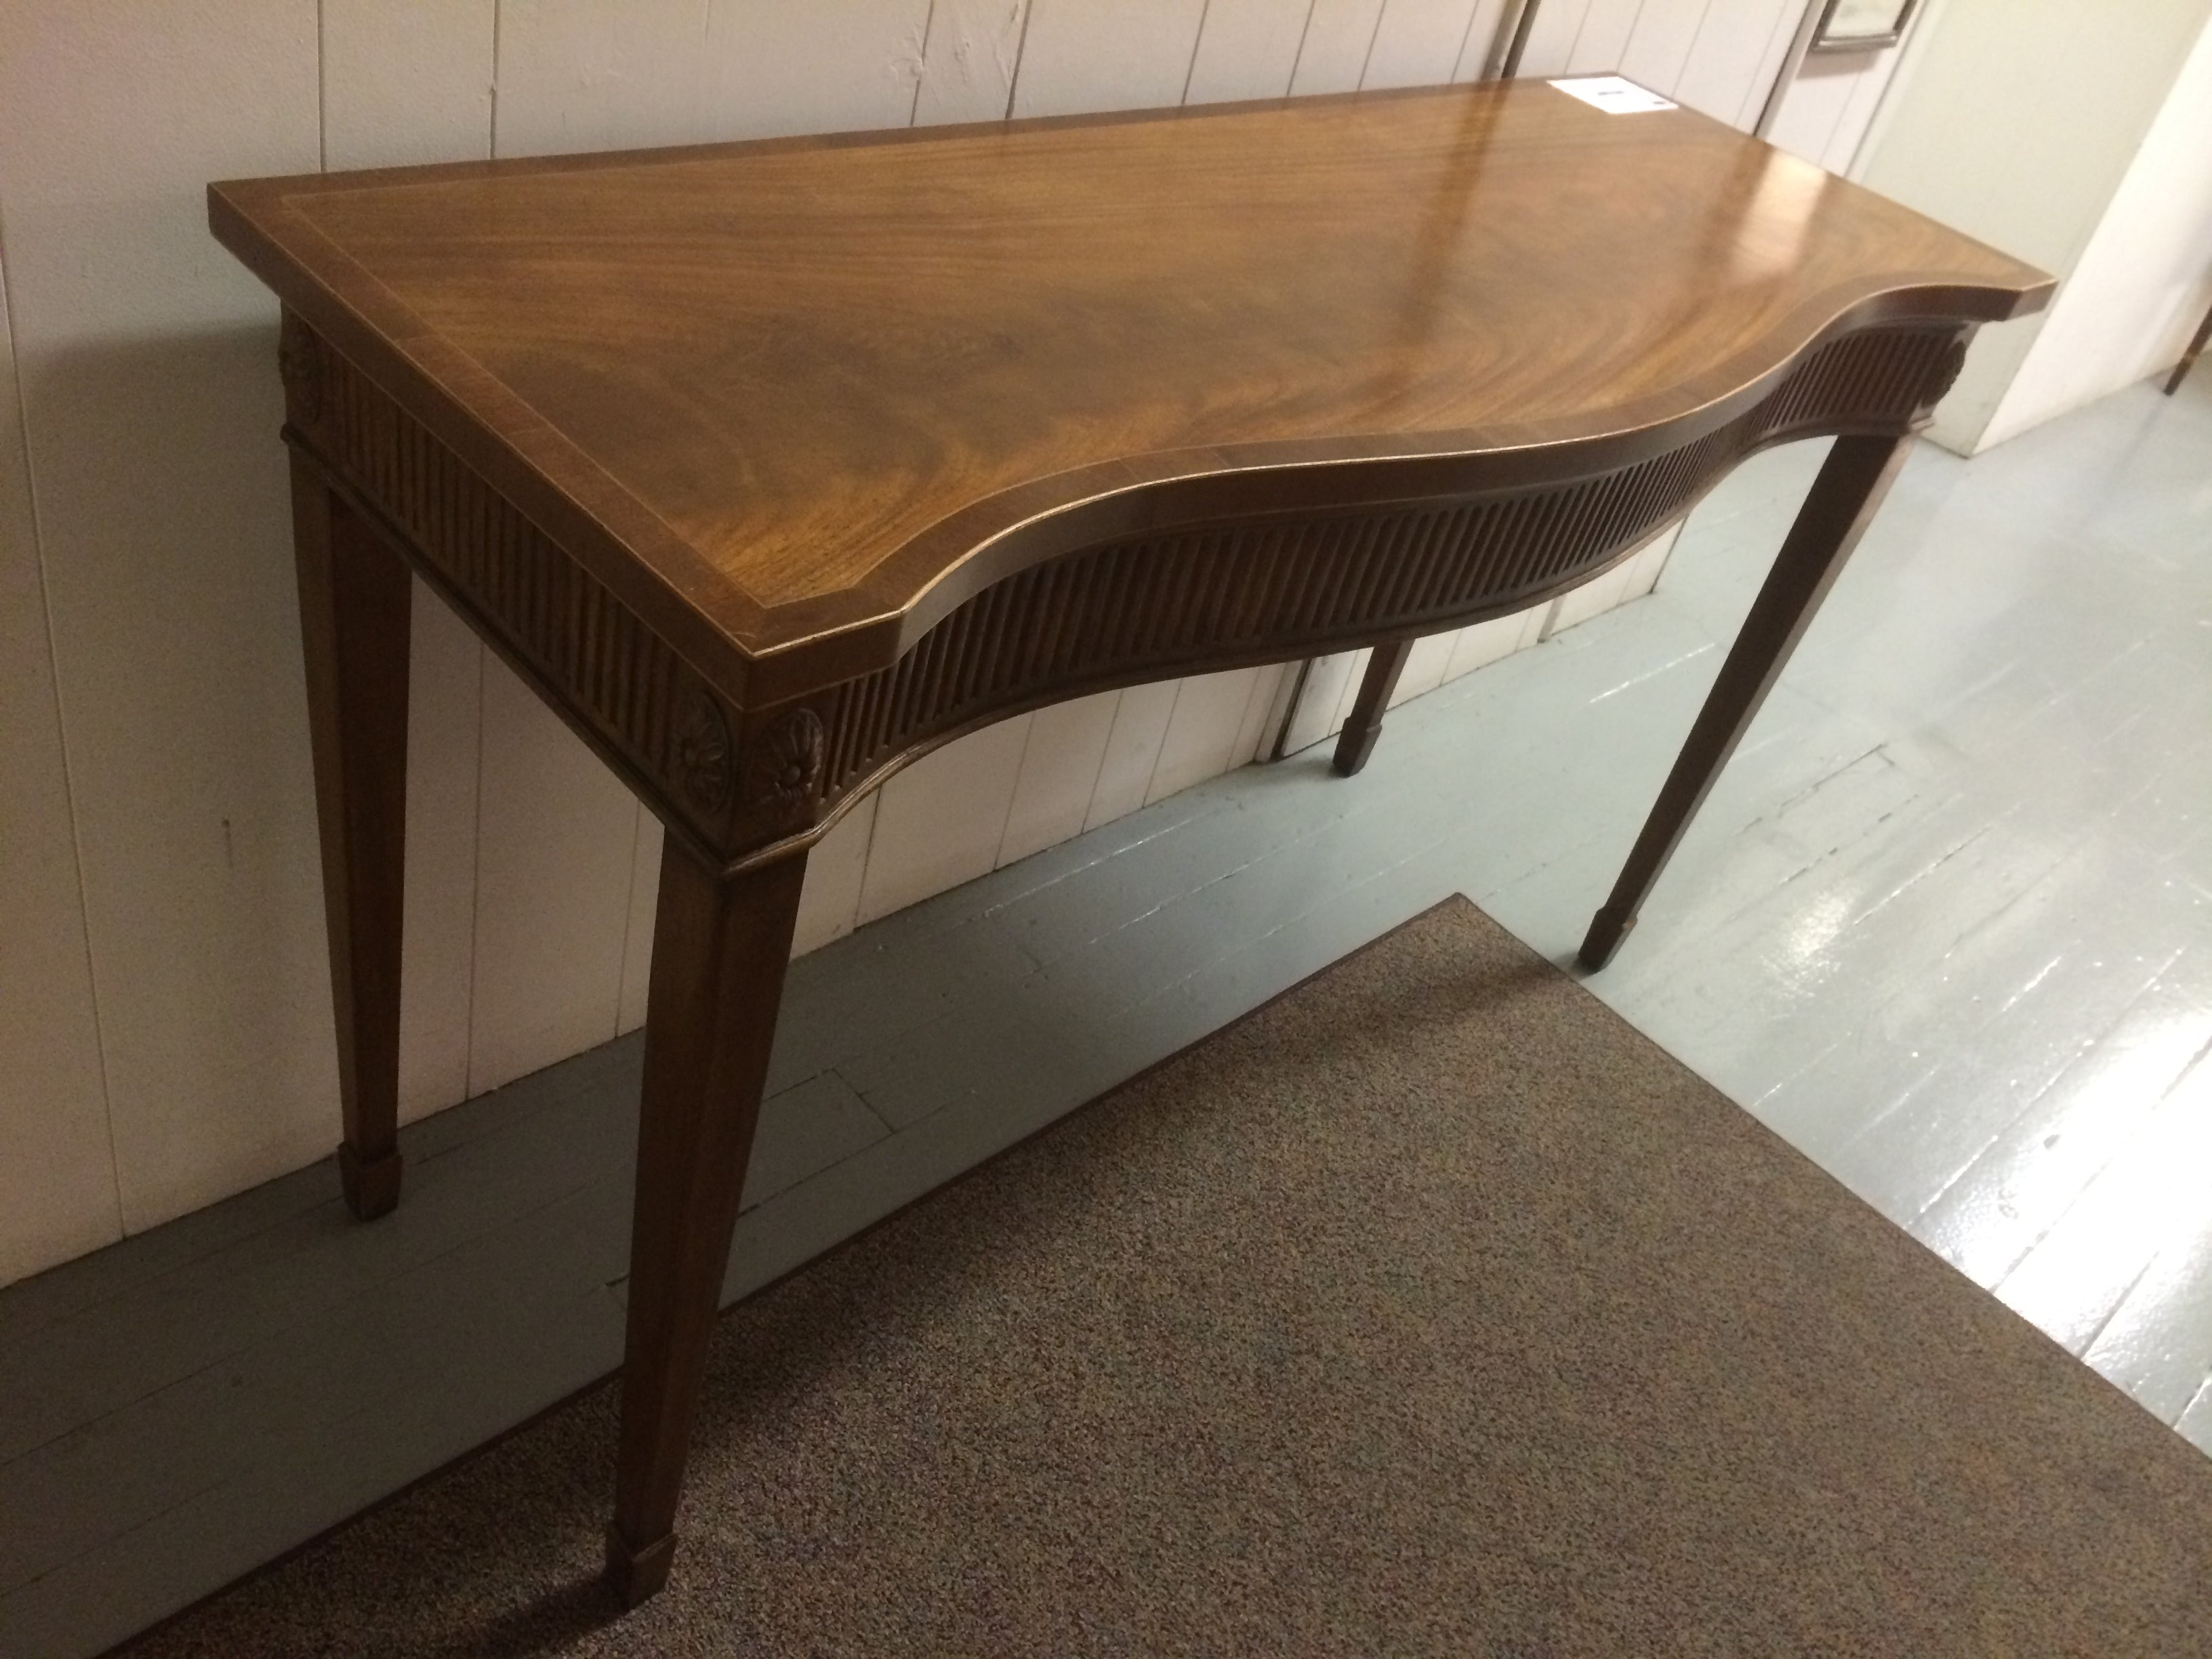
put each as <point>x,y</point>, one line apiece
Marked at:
<point>1613,94</point>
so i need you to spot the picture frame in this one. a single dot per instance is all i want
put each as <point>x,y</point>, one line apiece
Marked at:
<point>1861,24</point>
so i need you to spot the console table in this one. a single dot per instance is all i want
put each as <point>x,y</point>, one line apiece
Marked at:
<point>771,466</point>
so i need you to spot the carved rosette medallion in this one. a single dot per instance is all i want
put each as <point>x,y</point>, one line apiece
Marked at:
<point>303,364</point>
<point>702,752</point>
<point>787,767</point>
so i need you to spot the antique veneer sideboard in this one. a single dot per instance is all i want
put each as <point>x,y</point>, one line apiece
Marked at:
<point>769,466</point>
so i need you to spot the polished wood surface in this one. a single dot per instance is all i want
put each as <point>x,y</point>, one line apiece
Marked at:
<point>807,383</point>
<point>771,466</point>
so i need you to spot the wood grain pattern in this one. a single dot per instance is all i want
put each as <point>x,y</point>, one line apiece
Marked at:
<point>799,390</point>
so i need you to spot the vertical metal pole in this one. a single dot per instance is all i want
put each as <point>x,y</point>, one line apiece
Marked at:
<point>1511,68</point>
<point>1792,61</point>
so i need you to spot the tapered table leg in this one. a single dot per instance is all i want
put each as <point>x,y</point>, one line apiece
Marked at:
<point>1858,474</point>
<point>1357,741</point>
<point>354,594</point>
<point>720,946</point>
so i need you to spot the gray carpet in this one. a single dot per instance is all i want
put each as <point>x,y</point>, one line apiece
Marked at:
<point>1429,1309</point>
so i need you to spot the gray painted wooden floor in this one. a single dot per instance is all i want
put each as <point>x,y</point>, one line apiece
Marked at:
<point>1944,924</point>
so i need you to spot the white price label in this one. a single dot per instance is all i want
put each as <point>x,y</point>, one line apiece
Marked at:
<point>1613,94</point>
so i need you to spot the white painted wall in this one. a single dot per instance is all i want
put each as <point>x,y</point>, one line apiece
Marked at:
<point>58,1192</point>
<point>1722,56</point>
<point>141,358</point>
<point>2143,283</point>
<point>1830,105</point>
<point>2016,121</point>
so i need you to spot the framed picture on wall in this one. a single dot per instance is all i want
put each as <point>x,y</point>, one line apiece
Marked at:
<point>1861,24</point>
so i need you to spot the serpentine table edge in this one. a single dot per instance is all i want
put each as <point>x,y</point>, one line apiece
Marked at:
<point>749,743</point>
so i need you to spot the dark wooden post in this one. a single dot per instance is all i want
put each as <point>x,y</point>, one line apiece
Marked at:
<point>2189,358</point>
<point>1364,724</point>
<point>354,595</point>
<point>1856,477</point>
<point>719,948</point>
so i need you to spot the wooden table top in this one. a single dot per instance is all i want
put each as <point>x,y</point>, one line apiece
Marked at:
<point>806,384</point>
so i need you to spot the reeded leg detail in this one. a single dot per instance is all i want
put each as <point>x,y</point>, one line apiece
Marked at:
<point>719,947</point>
<point>1364,724</point>
<point>355,596</point>
<point>1852,483</point>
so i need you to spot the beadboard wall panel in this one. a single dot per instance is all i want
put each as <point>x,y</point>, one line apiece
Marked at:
<point>1830,105</point>
<point>1248,49</point>
<point>1077,55</point>
<point>941,822</point>
<point>1059,773</point>
<point>771,68</point>
<point>53,1106</point>
<point>1550,46</point>
<point>1210,719</point>
<point>447,666</point>
<point>1418,42</point>
<point>967,61</point>
<point>1737,55</point>
<point>1601,36</point>
<point>557,845</point>
<point>637,931</point>
<point>150,412</point>
<point>1340,35</point>
<point>829,904</point>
